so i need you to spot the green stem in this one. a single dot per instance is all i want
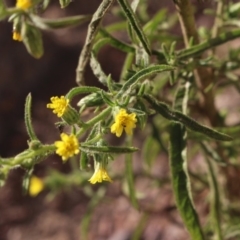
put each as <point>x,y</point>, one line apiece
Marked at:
<point>218,18</point>
<point>215,200</point>
<point>127,65</point>
<point>129,175</point>
<point>94,140</point>
<point>44,150</point>
<point>94,120</point>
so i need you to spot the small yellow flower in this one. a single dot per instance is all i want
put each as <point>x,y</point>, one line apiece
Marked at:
<point>67,147</point>
<point>100,174</point>
<point>36,186</point>
<point>125,121</point>
<point>17,36</point>
<point>24,4</point>
<point>59,105</point>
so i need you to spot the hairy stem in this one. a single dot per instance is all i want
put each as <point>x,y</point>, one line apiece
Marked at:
<point>94,120</point>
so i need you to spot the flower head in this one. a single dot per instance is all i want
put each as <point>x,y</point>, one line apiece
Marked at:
<point>36,185</point>
<point>24,4</point>
<point>17,36</point>
<point>59,105</point>
<point>125,121</point>
<point>67,147</point>
<point>100,174</point>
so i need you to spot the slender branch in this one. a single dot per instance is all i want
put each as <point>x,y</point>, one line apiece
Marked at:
<point>187,21</point>
<point>218,19</point>
<point>94,120</point>
<point>203,76</point>
<point>92,31</point>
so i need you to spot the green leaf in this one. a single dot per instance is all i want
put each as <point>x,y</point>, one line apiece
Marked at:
<point>234,10</point>
<point>26,180</point>
<point>210,152</point>
<point>3,10</point>
<point>97,70</point>
<point>151,149</point>
<point>107,149</point>
<point>210,43</point>
<point>91,206</point>
<point>233,130</point>
<point>142,75</point>
<point>64,3</point>
<point>141,115</point>
<point>177,116</point>
<point>83,160</point>
<point>107,99</point>
<point>28,119</point>
<point>181,97</point>
<point>139,229</point>
<point>115,42</point>
<point>153,24</point>
<point>32,39</point>
<point>132,18</point>
<point>180,182</point>
<point>92,100</point>
<point>81,90</point>
<point>130,180</point>
<point>45,4</point>
<point>45,24</point>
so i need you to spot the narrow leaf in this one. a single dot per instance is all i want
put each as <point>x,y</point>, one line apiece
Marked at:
<point>91,100</point>
<point>32,39</point>
<point>169,114</point>
<point>142,75</point>
<point>97,70</point>
<point>28,119</point>
<point>26,180</point>
<point>116,43</point>
<point>80,90</point>
<point>46,24</point>
<point>130,180</point>
<point>210,43</point>
<point>180,182</point>
<point>3,10</point>
<point>107,149</point>
<point>107,99</point>
<point>64,3</point>
<point>210,152</point>
<point>83,160</point>
<point>132,18</point>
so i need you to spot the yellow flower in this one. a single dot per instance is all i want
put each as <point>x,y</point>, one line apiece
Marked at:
<point>17,36</point>
<point>125,121</point>
<point>24,4</point>
<point>100,174</point>
<point>67,147</point>
<point>36,186</point>
<point>59,105</point>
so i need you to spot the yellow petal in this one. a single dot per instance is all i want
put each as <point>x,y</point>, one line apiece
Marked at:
<point>36,186</point>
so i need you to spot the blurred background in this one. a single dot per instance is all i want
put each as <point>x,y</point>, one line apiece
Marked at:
<point>67,214</point>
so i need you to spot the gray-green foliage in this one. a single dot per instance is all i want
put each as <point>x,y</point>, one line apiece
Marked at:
<point>159,78</point>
